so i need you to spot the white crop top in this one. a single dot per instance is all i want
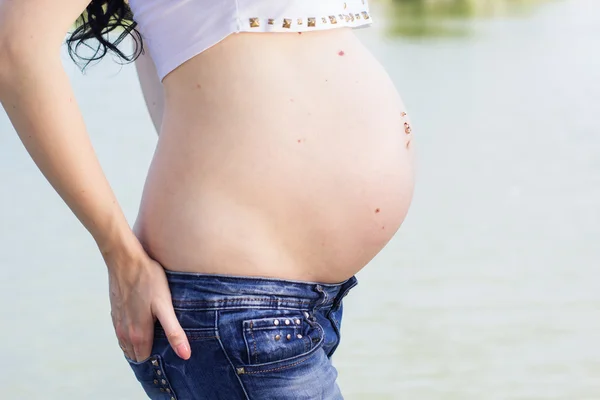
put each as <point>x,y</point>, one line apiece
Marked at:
<point>176,30</point>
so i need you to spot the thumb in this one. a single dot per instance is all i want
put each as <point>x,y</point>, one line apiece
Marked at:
<point>178,340</point>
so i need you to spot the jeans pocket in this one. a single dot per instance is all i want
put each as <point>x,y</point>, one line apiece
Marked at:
<point>280,338</point>
<point>151,375</point>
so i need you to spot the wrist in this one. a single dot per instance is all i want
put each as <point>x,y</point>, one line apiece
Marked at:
<point>120,247</point>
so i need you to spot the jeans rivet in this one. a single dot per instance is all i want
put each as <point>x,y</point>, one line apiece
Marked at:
<point>156,381</point>
<point>155,362</point>
<point>287,321</point>
<point>276,322</point>
<point>299,336</point>
<point>288,337</point>
<point>297,322</point>
<point>158,372</point>
<point>168,390</point>
<point>307,315</point>
<point>277,337</point>
<point>163,382</point>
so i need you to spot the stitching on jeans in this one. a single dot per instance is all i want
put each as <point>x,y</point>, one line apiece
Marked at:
<point>196,305</point>
<point>164,336</point>
<point>255,348</point>
<point>275,327</point>
<point>236,299</point>
<point>160,333</point>
<point>228,359</point>
<point>187,308</point>
<point>248,356</point>
<point>201,337</point>
<point>308,357</point>
<point>278,369</point>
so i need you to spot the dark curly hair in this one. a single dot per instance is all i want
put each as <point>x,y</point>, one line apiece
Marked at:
<point>100,19</point>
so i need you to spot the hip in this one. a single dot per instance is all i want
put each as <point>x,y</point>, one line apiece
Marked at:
<point>250,339</point>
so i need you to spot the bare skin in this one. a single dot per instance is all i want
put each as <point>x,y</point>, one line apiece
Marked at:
<point>279,155</point>
<point>293,149</point>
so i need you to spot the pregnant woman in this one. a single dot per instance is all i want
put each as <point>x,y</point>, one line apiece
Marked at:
<point>283,166</point>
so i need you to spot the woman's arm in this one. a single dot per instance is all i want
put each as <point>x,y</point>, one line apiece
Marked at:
<point>37,96</point>
<point>151,87</point>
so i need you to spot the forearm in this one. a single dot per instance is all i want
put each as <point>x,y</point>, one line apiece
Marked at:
<point>39,101</point>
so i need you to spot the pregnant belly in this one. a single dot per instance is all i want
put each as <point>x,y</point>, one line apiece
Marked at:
<point>307,181</point>
<point>316,214</point>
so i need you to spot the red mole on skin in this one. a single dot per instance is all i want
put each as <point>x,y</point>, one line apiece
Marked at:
<point>377,210</point>
<point>341,53</point>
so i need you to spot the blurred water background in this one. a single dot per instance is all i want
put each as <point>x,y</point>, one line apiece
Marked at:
<point>490,291</point>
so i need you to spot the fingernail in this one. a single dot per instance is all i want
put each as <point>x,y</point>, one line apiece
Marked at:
<point>183,351</point>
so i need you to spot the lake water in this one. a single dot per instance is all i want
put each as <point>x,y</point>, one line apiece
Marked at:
<point>490,291</point>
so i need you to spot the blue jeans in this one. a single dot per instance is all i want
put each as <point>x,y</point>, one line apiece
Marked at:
<point>251,338</point>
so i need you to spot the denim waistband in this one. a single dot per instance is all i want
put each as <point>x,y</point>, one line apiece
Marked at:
<point>191,291</point>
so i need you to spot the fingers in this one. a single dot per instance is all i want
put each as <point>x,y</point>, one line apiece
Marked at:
<point>135,302</point>
<point>136,342</point>
<point>141,342</point>
<point>127,350</point>
<point>177,338</point>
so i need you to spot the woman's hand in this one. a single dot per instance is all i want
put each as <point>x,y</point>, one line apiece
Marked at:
<point>139,295</point>
<point>37,95</point>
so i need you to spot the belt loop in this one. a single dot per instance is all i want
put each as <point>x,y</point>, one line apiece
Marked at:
<point>323,297</point>
<point>345,288</point>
